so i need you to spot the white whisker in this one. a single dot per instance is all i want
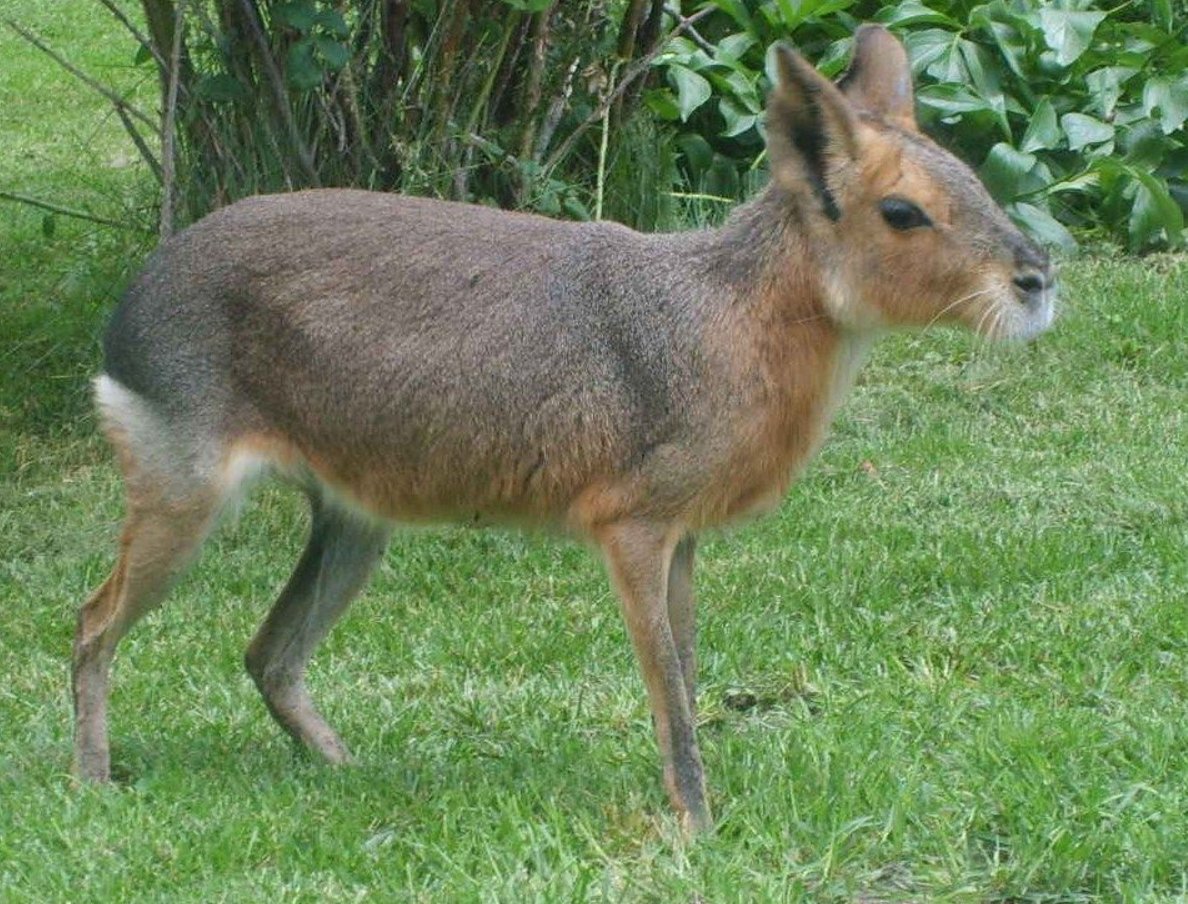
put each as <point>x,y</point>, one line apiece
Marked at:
<point>943,311</point>
<point>982,321</point>
<point>972,296</point>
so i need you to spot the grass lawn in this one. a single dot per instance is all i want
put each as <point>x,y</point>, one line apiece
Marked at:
<point>953,667</point>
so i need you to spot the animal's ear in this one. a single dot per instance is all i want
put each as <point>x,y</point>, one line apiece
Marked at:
<point>880,77</point>
<point>809,126</point>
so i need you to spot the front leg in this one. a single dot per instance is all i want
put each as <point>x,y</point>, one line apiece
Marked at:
<point>639,555</point>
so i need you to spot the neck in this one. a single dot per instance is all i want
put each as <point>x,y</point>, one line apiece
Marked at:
<point>791,362</point>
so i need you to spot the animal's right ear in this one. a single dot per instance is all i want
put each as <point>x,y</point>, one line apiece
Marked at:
<point>810,128</point>
<point>880,77</point>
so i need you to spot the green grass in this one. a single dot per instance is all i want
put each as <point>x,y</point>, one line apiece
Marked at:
<point>953,667</point>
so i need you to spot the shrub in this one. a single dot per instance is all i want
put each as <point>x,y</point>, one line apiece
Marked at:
<point>501,101</point>
<point>1074,112</point>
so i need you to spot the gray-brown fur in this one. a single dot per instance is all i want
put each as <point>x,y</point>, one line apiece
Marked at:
<point>407,359</point>
<point>535,354</point>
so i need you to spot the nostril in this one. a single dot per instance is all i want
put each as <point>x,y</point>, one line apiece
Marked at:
<point>1031,283</point>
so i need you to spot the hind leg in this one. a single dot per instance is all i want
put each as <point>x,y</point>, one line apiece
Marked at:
<point>160,537</point>
<point>343,549</point>
<point>682,615</point>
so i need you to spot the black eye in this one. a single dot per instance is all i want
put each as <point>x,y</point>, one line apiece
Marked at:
<point>901,213</point>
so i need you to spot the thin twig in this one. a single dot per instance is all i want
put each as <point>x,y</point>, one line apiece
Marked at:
<point>165,230</point>
<point>556,111</point>
<point>348,92</point>
<point>115,99</point>
<point>602,146</point>
<point>694,34</point>
<point>146,152</point>
<point>64,211</point>
<point>637,69</point>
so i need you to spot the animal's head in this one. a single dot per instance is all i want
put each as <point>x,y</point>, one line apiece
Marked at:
<point>903,232</point>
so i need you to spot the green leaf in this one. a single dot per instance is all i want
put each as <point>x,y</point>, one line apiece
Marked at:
<point>663,103</point>
<point>925,47</point>
<point>1144,144</point>
<point>1083,130</point>
<point>1162,10</point>
<point>733,47</point>
<point>220,88</point>
<point>576,209</point>
<point>738,119</point>
<point>334,54</point>
<point>547,202</point>
<point>836,58</point>
<point>1068,32</point>
<point>737,10</point>
<point>1170,98</point>
<point>1085,182</point>
<point>1009,173</point>
<point>692,90</point>
<point>301,69</point>
<point>721,179</point>
<point>332,21</point>
<point>698,154</point>
<point>683,52</point>
<point>1043,132</point>
<point>1154,212</point>
<point>949,65</point>
<point>736,85</point>
<point>793,13</point>
<point>678,50</point>
<point>913,12</point>
<point>1008,29</point>
<point>1042,226</point>
<point>950,100</point>
<point>143,55</point>
<point>49,225</point>
<point>1141,36</point>
<point>298,14</point>
<point>984,75</point>
<point>1105,87</point>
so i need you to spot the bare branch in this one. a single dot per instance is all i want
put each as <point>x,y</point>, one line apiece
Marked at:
<point>694,34</point>
<point>64,211</point>
<point>146,152</point>
<point>168,129</point>
<point>532,87</point>
<point>556,110</point>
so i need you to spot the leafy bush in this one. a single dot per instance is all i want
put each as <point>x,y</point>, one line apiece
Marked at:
<point>501,101</point>
<point>1075,112</point>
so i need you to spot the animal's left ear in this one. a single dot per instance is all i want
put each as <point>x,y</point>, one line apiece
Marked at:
<point>879,79</point>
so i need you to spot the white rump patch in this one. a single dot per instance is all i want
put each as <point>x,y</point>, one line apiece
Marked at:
<point>177,458</point>
<point>121,408</point>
